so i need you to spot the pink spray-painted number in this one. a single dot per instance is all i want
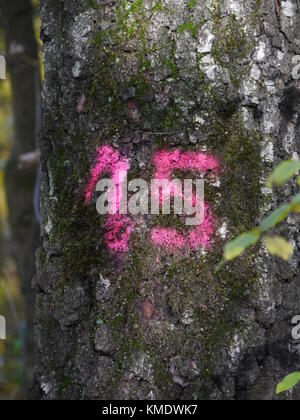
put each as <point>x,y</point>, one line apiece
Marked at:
<point>165,163</point>
<point>118,227</point>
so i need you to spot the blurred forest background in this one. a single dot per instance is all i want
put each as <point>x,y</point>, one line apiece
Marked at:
<point>19,227</point>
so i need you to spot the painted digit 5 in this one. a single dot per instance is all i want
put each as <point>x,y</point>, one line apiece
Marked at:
<point>165,163</point>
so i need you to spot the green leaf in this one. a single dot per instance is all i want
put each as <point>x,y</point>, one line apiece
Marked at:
<point>278,215</point>
<point>288,383</point>
<point>280,247</point>
<point>236,247</point>
<point>284,172</point>
<point>296,204</point>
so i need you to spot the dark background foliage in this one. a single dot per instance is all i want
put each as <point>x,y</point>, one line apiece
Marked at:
<point>19,229</point>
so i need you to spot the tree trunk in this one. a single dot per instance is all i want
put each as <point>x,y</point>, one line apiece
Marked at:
<point>150,313</point>
<point>23,66</point>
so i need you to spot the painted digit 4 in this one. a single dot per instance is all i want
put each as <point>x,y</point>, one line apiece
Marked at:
<point>118,227</point>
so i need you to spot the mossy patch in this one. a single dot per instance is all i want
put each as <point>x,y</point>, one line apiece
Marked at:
<point>192,4</point>
<point>190,27</point>
<point>180,281</point>
<point>231,47</point>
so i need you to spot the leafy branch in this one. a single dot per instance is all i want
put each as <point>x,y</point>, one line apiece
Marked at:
<point>275,245</point>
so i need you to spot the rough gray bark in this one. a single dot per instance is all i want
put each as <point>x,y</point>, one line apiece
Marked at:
<point>24,72</point>
<point>142,75</point>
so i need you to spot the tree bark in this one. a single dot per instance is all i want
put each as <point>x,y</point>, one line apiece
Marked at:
<point>24,71</point>
<point>143,76</point>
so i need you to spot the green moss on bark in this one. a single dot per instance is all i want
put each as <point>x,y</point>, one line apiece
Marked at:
<point>175,282</point>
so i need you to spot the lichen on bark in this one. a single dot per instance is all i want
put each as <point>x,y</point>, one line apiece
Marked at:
<point>194,75</point>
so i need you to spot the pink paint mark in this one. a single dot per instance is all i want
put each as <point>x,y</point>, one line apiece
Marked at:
<point>168,238</point>
<point>172,239</point>
<point>108,161</point>
<point>118,227</point>
<point>165,164</point>
<point>118,230</point>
